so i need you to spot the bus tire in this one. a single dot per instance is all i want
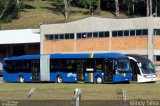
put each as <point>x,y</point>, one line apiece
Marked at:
<point>21,79</point>
<point>59,79</point>
<point>98,80</point>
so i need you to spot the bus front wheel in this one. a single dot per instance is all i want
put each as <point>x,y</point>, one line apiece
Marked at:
<point>21,79</point>
<point>59,79</point>
<point>98,80</point>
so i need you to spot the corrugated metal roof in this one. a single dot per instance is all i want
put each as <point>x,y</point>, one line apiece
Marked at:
<point>19,36</point>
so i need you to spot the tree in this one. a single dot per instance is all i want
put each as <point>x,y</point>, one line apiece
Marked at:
<point>92,5</point>
<point>117,8</point>
<point>99,6</point>
<point>65,5</point>
<point>3,5</point>
<point>3,8</point>
<point>66,8</point>
<point>150,7</point>
<point>147,7</point>
<point>11,10</point>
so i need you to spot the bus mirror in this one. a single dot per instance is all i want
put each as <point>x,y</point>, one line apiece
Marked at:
<point>140,64</point>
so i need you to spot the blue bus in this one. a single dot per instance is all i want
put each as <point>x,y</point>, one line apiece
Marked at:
<point>77,67</point>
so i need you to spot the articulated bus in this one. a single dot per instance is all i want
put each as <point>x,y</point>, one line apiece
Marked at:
<point>85,67</point>
<point>142,69</point>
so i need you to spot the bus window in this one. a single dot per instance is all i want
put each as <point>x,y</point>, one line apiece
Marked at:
<point>90,63</point>
<point>63,65</point>
<point>98,64</point>
<point>123,65</point>
<point>8,66</point>
<point>26,67</point>
<point>16,66</point>
<point>12,66</point>
<point>147,68</point>
<point>54,65</point>
<point>109,64</point>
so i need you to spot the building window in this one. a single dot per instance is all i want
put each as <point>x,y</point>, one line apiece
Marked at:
<point>126,33</point>
<point>78,35</point>
<point>49,37</point>
<point>158,58</point>
<point>106,34</point>
<point>56,37</point>
<point>66,36</point>
<point>71,36</point>
<point>114,33</point>
<point>89,35</point>
<point>138,32</point>
<point>61,36</point>
<point>156,31</point>
<point>120,33</point>
<point>132,32</point>
<point>145,32</point>
<point>95,34</point>
<point>101,34</point>
<point>84,35</point>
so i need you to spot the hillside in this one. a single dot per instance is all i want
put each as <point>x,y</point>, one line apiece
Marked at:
<point>37,11</point>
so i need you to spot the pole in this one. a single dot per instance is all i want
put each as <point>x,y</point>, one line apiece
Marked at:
<point>77,97</point>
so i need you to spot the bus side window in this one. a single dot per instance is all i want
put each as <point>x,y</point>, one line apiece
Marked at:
<point>54,65</point>
<point>8,66</point>
<point>26,67</point>
<point>17,66</point>
<point>109,64</point>
<point>98,64</point>
<point>90,63</point>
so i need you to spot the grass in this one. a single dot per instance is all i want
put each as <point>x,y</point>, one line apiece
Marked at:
<point>45,11</point>
<point>52,91</point>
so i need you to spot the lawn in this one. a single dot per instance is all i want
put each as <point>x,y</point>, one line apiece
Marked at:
<point>52,91</point>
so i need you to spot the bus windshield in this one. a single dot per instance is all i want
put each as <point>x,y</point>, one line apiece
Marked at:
<point>123,65</point>
<point>147,68</point>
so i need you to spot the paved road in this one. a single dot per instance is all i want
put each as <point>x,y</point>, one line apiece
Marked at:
<point>1,79</point>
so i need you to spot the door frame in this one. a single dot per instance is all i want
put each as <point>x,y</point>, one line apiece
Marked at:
<point>108,74</point>
<point>36,71</point>
<point>81,71</point>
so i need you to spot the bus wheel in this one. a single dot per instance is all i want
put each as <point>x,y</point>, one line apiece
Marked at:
<point>98,80</point>
<point>59,79</point>
<point>21,79</point>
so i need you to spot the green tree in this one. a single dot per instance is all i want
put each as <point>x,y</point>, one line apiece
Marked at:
<point>92,5</point>
<point>10,11</point>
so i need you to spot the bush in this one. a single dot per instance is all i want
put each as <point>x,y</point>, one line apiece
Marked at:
<point>7,19</point>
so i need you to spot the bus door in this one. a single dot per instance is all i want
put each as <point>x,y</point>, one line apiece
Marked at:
<point>108,70</point>
<point>135,70</point>
<point>80,70</point>
<point>35,70</point>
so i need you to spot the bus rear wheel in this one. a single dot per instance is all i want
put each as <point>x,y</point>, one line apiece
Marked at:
<point>21,79</point>
<point>98,80</point>
<point>59,79</point>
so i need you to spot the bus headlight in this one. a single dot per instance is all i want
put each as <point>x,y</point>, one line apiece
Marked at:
<point>123,74</point>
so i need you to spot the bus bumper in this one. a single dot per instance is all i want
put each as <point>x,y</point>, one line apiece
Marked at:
<point>146,79</point>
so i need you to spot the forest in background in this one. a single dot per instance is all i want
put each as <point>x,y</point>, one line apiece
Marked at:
<point>12,11</point>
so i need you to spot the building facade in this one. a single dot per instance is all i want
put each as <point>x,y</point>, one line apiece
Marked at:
<point>94,34</point>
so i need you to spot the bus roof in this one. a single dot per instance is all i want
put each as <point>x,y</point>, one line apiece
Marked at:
<point>109,55</point>
<point>24,57</point>
<point>139,58</point>
<point>70,55</point>
<point>89,55</point>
